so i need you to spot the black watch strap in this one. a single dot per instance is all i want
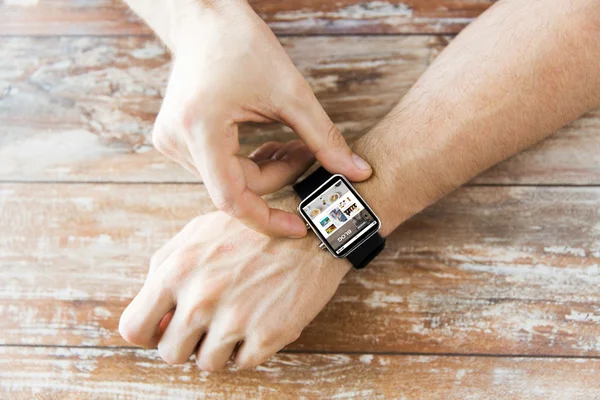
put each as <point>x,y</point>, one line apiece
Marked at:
<point>367,251</point>
<point>370,248</point>
<point>312,182</point>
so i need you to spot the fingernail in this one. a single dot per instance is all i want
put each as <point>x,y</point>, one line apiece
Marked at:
<point>360,163</point>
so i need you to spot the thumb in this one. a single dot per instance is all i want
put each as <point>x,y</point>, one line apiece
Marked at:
<point>312,124</point>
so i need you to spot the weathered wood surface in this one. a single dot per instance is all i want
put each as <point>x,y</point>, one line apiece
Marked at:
<point>69,373</point>
<point>491,270</point>
<point>81,109</point>
<point>488,274</point>
<point>112,17</point>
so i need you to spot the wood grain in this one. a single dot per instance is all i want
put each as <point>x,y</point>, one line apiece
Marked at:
<point>69,373</point>
<point>112,17</point>
<point>490,270</point>
<point>462,298</point>
<point>81,109</point>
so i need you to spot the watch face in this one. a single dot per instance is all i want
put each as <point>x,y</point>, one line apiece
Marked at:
<point>339,216</point>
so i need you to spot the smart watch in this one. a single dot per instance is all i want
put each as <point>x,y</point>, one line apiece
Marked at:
<point>340,218</point>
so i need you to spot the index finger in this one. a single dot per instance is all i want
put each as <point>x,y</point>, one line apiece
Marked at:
<point>223,174</point>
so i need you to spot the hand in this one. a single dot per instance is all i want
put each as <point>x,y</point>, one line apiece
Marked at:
<point>229,286</point>
<point>230,68</point>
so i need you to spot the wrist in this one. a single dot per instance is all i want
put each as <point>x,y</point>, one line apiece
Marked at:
<point>392,207</point>
<point>398,188</point>
<point>201,19</point>
<point>288,200</point>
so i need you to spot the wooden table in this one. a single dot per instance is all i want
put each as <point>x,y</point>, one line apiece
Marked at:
<point>490,294</point>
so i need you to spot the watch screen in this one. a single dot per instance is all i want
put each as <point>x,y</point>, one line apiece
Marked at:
<point>339,216</point>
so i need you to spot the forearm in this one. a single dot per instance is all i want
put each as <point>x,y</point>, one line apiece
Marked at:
<point>511,78</point>
<point>171,20</point>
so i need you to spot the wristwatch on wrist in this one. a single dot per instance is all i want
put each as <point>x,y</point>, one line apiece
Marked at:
<point>340,218</point>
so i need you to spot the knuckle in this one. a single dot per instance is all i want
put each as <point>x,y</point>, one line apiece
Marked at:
<point>155,261</point>
<point>162,137</point>
<point>197,221</point>
<point>334,140</point>
<point>226,330</point>
<point>191,118</point>
<point>263,345</point>
<point>225,205</point>
<point>175,111</point>
<point>295,336</point>
<point>169,354</point>
<point>302,91</point>
<point>299,94</point>
<point>251,358</point>
<point>172,129</point>
<point>198,313</point>
<point>229,206</point>
<point>234,319</point>
<point>334,136</point>
<point>183,256</point>
<point>208,364</point>
<point>182,262</point>
<point>130,330</point>
<point>245,363</point>
<point>185,118</point>
<point>268,338</point>
<point>166,282</point>
<point>247,359</point>
<point>160,144</point>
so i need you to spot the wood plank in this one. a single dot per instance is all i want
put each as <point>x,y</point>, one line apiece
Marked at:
<point>112,17</point>
<point>81,109</point>
<point>489,270</point>
<point>71,373</point>
<point>570,156</point>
